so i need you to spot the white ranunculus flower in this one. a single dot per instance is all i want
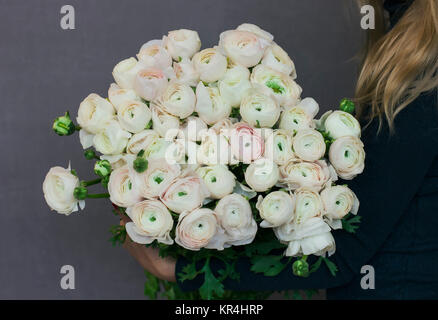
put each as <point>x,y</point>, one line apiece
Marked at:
<point>186,73</point>
<point>134,116</point>
<point>347,156</point>
<point>262,34</point>
<point>242,47</point>
<point>219,180</point>
<point>199,229</point>
<point>339,124</point>
<point>210,64</point>
<point>150,221</point>
<point>117,95</point>
<point>192,129</point>
<point>276,58</point>
<point>125,71</point>
<point>300,116</point>
<point>308,204</point>
<point>210,105</point>
<point>86,138</point>
<point>157,177</point>
<point>246,143</point>
<point>338,201</point>
<point>157,149</point>
<point>112,140</point>
<point>182,44</point>
<point>259,110</point>
<point>309,145</point>
<point>178,99</point>
<point>153,55</point>
<point>140,141</point>
<point>235,216</point>
<point>225,126</point>
<point>58,188</point>
<point>94,113</point>
<point>278,146</point>
<point>298,173</point>
<point>163,122</point>
<point>233,85</point>
<point>149,83</point>
<point>214,149</point>
<point>185,193</point>
<point>121,188</point>
<point>285,90</point>
<point>276,208</point>
<point>262,174</point>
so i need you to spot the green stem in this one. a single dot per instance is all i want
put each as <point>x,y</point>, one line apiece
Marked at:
<point>304,258</point>
<point>78,128</point>
<point>91,182</point>
<point>98,196</point>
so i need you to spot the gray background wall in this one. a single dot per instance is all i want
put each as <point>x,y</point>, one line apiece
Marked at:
<point>45,70</point>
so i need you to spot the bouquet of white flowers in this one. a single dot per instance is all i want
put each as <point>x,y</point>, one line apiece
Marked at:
<point>213,154</point>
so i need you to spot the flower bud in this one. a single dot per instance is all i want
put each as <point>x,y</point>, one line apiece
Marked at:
<point>346,105</point>
<point>102,168</point>
<point>140,164</point>
<point>89,154</point>
<point>300,268</point>
<point>63,126</point>
<point>80,193</point>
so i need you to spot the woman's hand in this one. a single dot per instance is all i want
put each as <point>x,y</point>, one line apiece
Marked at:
<point>148,258</point>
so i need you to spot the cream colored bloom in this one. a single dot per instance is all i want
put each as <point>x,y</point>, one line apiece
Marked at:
<point>278,59</point>
<point>134,116</point>
<point>185,194</point>
<point>235,216</point>
<point>309,145</point>
<point>150,221</point>
<point>182,43</point>
<point>149,83</point>
<point>198,229</point>
<point>242,47</point>
<point>117,95</point>
<point>276,208</point>
<point>157,149</point>
<point>347,156</point>
<point>94,113</point>
<point>259,109</point>
<point>278,146</point>
<point>300,116</point>
<point>178,100</point>
<point>186,73</point>
<point>153,55</point>
<point>234,84</point>
<point>165,124</point>
<point>140,141</point>
<point>210,105</point>
<point>339,124</point>
<point>262,34</point>
<point>338,201</point>
<point>285,90</point>
<point>298,173</point>
<point>262,175</point>
<point>121,188</point>
<point>214,149</point>
<point>210,64</point>
<point>58,188</point>
<point>157,177</point>
<point>218,179</point>
<point>125,71</point>
<point>112,140</point>
<point>192,129</point>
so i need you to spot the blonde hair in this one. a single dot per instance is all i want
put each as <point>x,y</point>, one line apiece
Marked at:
<point>400,64</point>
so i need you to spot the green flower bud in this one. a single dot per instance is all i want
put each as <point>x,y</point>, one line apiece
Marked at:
<point>346,105</point>
<point>63,126</point>
<point>90,154</point>
<point>300,268</point>
<point>102,168</point>
<point>105,181</point>
<point>80,193</point>
<point>140,164</point>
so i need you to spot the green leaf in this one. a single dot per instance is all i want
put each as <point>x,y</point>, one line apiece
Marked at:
<point>350,224</point>
<point>151,286</point>
<point>118,235</point>
<point>211,286</point>
<point>268,265</point>
<point>331,266</point>
<point>316,265</point>
<point>188,272</point>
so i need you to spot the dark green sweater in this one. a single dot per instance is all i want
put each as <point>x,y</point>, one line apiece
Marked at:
<point>398,236</point>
